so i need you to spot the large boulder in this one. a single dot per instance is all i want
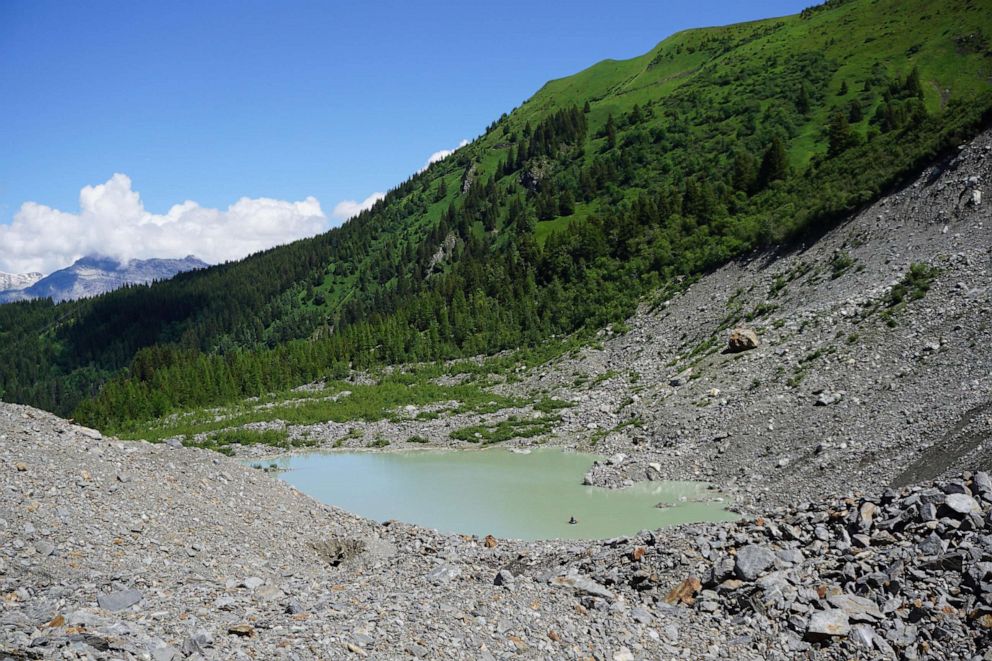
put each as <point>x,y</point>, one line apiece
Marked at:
<point>742,339</point>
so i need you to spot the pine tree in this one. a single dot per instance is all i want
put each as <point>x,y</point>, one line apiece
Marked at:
<point>913,86</point>
<point>611,132</point>
<point>803,101</point>
<point>840,137</point>
<point>774,163</point>
<point>586,108</point>
<point>745,173</point>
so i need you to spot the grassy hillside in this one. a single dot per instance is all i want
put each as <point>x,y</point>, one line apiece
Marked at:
<point>601,187</point>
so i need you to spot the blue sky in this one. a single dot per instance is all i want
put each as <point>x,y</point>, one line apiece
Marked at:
<point>215,101</point>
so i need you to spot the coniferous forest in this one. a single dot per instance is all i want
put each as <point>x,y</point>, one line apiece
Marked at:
<point>625,178</point>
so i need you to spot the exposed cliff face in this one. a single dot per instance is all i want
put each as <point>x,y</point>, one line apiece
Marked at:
<point>94,275</point>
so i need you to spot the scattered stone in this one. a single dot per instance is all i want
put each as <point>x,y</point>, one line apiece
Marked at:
<point>252,582</point>
<point>684,592</point>
<point>826,623</point>
<point>752,560</point>
<point>583,585</point>
<point>962,504</point>
<point>503,578</point>
<point>858,609</point>
<point>443,574</point>
<point>243,630</point>
<point>120,600</point>
<point>742,339</point>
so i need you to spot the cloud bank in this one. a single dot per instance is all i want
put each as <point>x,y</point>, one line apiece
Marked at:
<point>349,208</point>
<point>441,155</point>
<point>112,221</point>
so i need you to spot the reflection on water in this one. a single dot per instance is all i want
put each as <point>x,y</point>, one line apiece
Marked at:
<point>495,491</point>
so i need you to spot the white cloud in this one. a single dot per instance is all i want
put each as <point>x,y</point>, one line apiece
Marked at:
<point>442,154</point>
<point>112,221</point>
<point>349,208</point>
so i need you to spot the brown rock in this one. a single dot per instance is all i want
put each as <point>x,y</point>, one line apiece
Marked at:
<point>245,630</point>
<point>742,339</point>
<point>637,553</point>
<point>684,592</point>
<point>355,649</point>
<point>553,635</point>
<point>21,466</point>
<point>489,542</point>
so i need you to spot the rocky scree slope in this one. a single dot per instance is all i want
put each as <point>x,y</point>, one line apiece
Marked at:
<point>851,386</point>
<point>129,550</point>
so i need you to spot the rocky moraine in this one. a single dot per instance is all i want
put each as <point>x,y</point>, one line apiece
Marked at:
<point>850,427</point>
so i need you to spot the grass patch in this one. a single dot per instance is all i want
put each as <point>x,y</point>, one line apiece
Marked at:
<point>913,286</point>
<point>840,264</point>
<point>505,430</point>
<point>220,441</point>
<point>364,403</point>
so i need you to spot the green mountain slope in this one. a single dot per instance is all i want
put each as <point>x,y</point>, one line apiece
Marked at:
<point>600,188</point>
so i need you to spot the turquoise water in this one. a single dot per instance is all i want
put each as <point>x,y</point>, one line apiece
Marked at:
<point>495,491</point>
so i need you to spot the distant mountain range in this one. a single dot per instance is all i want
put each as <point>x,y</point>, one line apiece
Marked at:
<point>18,280</point>
<point>90,276</point>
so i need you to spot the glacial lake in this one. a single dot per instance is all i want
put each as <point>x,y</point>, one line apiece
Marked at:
<point>495,491</point>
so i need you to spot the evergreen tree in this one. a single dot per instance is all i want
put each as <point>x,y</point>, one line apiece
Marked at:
<point>803,100</point>
<point>840,137</point>
<point>611,132</point>
<point>745,173</point>
<point>442,191</point>
<point>913,86</point>
<point>774,163</point>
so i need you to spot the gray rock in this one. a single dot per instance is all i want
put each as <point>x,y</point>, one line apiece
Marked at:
<point>252,582</point>
<point>826,399</point>
<point>443,574</point>
<point>160,651</point>
<point>117,601</point>
<point>198,643</point>
<point>583,585</point>
<point>931,545</point>
<point>414,649</point>
<point>826,623</point>
<point>962,504</point>
<point>504,578</point>
<point>982,482</point>
<point>862,636</point>
<point>752,560</point>
<point>858,609</point>
<point>641,614</point>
